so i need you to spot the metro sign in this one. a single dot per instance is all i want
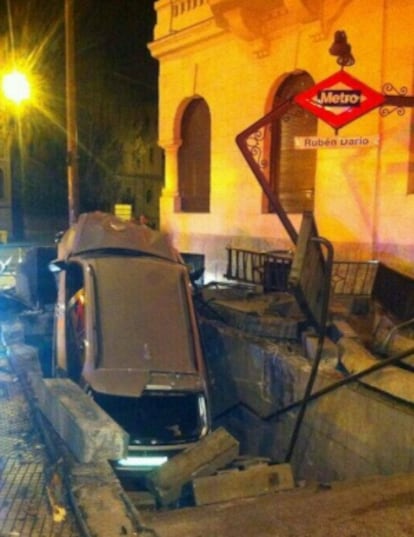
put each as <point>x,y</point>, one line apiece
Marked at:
<point>339,99</point>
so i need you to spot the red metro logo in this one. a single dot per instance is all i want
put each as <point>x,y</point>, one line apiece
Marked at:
<point>339,99</point>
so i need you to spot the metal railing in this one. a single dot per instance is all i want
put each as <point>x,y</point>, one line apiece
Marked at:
<point>271,270</point>
<point>353,277</point>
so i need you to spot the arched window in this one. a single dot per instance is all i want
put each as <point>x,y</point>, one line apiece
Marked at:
<point>194,158</point>
<point>292,172</point>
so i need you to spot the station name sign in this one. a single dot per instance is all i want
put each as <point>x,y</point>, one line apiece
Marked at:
<point>335,142</point>
<point>339,99</point>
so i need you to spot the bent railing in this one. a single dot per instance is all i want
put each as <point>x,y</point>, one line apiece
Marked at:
<point>270,269</point>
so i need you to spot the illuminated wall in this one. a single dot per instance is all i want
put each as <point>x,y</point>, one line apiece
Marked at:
<point>235,56</point>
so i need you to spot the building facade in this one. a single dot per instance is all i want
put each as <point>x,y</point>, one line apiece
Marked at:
<point>140,171</point>
<point>223,65</point>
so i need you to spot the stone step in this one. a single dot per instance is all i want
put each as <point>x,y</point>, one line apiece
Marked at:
<point>255,480</point>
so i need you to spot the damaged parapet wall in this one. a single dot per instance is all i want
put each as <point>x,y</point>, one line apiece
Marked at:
<point>351,432</point>
<point>87,430</point>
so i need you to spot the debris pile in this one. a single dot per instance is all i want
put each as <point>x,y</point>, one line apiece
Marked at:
<point>212,471</point>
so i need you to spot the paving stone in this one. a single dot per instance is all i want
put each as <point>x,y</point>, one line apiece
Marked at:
<point>24,507</point>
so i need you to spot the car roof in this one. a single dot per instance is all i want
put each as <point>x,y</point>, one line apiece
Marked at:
<point>98,231</point>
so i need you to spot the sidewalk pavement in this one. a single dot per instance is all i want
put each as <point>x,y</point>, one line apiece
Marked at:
<point>41,500</point>
<point>28,482</point>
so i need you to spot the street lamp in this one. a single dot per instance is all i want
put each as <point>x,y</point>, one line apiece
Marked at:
<point>16,88</point>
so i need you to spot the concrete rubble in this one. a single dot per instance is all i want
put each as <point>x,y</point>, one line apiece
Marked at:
<point>374,507</point>
<point>91,439</point>
<point>395,380</point>
<point>213,452</point>
<point>343,433</point>
<point>207,467</point>
<point>254,480</point>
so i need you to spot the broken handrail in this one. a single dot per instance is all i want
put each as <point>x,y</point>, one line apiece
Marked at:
<point>382,346</point>
<point>343,382</point>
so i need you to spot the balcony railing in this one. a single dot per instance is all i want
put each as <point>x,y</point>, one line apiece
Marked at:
<point>179,7</point>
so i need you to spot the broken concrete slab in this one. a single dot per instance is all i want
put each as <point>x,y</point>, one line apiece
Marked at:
<point>397,344</point>
<point>234,484</point>
<point>211,453</point>
<point>25,360</point>
<point>247,370</point>
<point>285,305</point>
<point>85,428</point>
<point>12,332</point>
<point>391,379</point>
<point>390,339</point>
<point>99,495</point>
<point>341,328</point>
<point>247,316</point>
<point>330,350</point>
<point>37,323</point>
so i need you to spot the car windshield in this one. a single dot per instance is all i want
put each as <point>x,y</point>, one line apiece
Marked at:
<point>143,320</point>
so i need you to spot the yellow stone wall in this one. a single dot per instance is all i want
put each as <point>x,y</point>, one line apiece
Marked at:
<point>236,63</point>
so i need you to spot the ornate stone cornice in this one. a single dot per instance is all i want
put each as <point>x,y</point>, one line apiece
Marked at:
<point>174,42</point>
<point>256,21</point>
<point>251,20</point>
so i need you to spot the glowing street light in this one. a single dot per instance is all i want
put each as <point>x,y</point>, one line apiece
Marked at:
<point>16,86</point>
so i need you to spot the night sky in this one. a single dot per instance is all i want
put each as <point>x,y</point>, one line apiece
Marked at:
<point>113,69</point>
<point>113,32</point>
<point>123,28</point>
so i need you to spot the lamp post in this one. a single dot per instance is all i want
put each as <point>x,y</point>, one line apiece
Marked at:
<point>16,88</point>
<point>71,125</point>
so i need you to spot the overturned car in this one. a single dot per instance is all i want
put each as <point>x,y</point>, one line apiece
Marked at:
<point>126,331</point>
